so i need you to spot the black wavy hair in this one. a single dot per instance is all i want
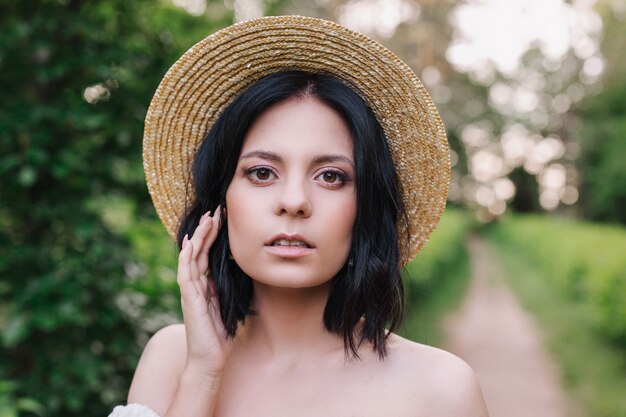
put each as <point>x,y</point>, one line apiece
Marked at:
<point>368,288</point>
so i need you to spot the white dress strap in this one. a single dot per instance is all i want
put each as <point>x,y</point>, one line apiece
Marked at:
<point>133,410</point>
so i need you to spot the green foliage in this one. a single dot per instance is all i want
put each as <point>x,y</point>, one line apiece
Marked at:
<point>585,260</point>
<point>438,257</point>
<point>603,187</point>
<point>603,128</point>
<point>437,278</point>
<point>11,406</point>
<point>76,80</point>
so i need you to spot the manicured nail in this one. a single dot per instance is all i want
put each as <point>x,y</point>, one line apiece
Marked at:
<point>185,239</point>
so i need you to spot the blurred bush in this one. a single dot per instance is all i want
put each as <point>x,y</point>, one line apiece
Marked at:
<point>436,280</point>
<point>601,164</point>
<point>76,79</point>
<point>586,261</point>
<point>602,128</point>
<point>441,256</point>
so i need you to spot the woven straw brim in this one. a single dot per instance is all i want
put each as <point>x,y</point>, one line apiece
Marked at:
<point>209,75</point>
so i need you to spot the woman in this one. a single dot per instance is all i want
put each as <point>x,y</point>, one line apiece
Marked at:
<point>325,165</point>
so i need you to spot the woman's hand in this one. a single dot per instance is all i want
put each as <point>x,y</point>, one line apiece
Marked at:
<point>207,347</point>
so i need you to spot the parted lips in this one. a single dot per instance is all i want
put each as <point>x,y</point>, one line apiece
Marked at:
<point>210,74</point>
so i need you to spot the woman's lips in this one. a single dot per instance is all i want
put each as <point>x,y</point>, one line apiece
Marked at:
<point>289,242</point>
<point>289,246</point>
<point>289,251</point>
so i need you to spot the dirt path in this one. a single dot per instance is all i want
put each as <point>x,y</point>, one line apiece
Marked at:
<point>499,339</point>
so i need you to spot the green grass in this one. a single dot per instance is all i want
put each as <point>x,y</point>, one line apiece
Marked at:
<point>437,279</point>
<point>593,366</point>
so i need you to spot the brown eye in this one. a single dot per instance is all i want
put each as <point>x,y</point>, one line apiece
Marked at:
<point>262,174</point>
<point>330,176</point>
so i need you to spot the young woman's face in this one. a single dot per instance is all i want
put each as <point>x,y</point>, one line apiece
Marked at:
<point>291,204</point>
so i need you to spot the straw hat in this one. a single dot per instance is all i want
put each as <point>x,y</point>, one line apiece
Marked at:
<point>209,75</point>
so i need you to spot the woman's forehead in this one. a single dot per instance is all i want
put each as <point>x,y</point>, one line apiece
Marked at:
<point>299,126</point>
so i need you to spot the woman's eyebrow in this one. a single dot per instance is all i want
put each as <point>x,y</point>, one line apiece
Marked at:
<point>324,159</point>
<point>271,156</point>
<point>320,159</point>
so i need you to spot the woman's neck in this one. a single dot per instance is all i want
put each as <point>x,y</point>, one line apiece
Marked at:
<point>288,327</point>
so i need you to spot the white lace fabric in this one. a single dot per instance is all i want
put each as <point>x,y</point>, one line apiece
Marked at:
<point>133,410</point>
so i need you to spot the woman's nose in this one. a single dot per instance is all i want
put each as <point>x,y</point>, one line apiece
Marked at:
<point>293,200</point>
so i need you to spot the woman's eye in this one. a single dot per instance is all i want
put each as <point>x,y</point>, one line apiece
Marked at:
<point>330,176</point>
<point>334,178</point>
<point>259,175</point>
<point>262,174</point>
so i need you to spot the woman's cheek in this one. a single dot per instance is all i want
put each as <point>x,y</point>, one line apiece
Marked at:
<point>245,213</point>
<point>338,227</point>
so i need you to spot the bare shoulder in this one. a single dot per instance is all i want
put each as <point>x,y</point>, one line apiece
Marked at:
<point>159,368</point>
<point>441,383</point>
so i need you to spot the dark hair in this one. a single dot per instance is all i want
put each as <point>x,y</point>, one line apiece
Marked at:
<point>369,286</point>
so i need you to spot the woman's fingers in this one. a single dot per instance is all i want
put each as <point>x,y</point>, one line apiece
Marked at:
<point>212,234</point>
<point>197,312</point>
<point>203,238</point>
<point>193,258</point>
<point>188,289</point>
<point>198,265</point>
<point>199,235</point>
<point>206,343</point>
